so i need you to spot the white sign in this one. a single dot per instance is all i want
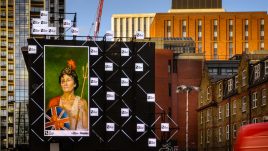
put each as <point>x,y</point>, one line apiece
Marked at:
<point>93,51</point>
<point>109,127</point>
<point>140,127</point>
<point>124,52</point>
<point>150,97</point>
<point>152,142</point>
<point>44,30</point>
<point>108,66</point>
<point>32,49</point>
<point>94,112</point>
<point>75,31</point>
<point>94,81</point>
<point>44,23</point>
<point>36,22</point>
<point>164,127</point>
<point>110,95</point>
<point>52,31</point>
<point>124,112</point>
<point>36,31</point>
<point>138,67</point>
<point>109,35</point>
<point>67,23</point>
<point>44,15</point>
<point>139,35</point>
<point>124,82</point>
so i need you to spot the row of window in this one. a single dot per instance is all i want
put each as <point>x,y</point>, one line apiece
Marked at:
<point>234,106</point>
<point>220,131</point>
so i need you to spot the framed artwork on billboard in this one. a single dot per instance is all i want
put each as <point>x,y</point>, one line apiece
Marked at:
<point>66,90</point>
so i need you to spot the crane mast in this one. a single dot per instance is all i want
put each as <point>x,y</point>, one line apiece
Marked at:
<point>98,19</point>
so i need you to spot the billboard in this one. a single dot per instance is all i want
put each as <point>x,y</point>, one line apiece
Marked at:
<point>66,91</point>
<point>118,91</point>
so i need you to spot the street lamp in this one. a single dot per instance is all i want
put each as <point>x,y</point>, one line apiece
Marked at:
<point>187,89</point>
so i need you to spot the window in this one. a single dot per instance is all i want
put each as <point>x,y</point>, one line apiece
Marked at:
<point>227,110</point>
<point>262,45</point>
<point>266,67</point>
<point>236,81</point>
<point>215,46</point>
<point>220,112</point>
<point>244,78</point>
<point>220,90</point>
<point>230,29</point>
<point>208,115</point>
<point>208,135</point>
<point>257,71</point>
<point>230,49</point>
<point>201,117</point>
<point>200,47</point>
<point>244,104</point>
<point>255,120</point>
<point>234,107</point>
<point>262,29</point>
<point>208,93</point>
<point>201,137</point>
<point>220,134</point>
<point>227,132</point>
<point>184,28</point>
<point>246,47</point>
<point>215,29</point>
<point>234,131</point>
<point>254,100</point>
<point>263,94</point>
<point>167,28</point>
<point>230,85</point>
<point>246,29</point>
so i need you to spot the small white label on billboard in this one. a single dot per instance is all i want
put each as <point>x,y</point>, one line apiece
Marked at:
<point>110,127</point>
<point>44,30</point>
<point>67,23</point>
<point>36,22</point>
<point>94,51</point>
<point>44,15</point>
<point>110,95</point>
<point>139,35</point>
<point>44,23</point>
<point>109,35</point>
<point>164,127</point>
<point>138,67</point>
<point>52,31</point>
<point>140,127</point>
<point>124,112</point>
<point>152,142</point>
<point>94,81</point>
<point>125,52</point>
<point>75,31</point>
<point>94,112</point>
<point>32,49</point>
<point>124,82</point>
<point>108,66</point>
<point>36,31</point>
<point>150,97</point>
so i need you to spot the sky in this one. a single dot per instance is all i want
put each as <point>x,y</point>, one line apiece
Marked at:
<point>86,10</point>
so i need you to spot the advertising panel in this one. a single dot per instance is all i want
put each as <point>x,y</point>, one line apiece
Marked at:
<point>66,98</point>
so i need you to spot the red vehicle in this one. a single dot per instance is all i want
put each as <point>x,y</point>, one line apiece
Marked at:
<point>252,137</point>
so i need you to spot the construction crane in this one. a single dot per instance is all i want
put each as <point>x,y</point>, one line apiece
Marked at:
<point>97,20</point>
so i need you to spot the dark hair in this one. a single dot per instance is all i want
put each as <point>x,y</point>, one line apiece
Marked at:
<point>68,71</point>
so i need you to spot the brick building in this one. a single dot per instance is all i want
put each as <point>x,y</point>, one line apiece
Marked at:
<point>217,34</point>
<point>226,104</point>
<point>173,70</point>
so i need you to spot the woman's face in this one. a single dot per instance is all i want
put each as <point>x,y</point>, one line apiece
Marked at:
<point>67,83</point>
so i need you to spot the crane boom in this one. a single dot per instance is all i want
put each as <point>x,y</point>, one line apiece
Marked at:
<point>98,18</point>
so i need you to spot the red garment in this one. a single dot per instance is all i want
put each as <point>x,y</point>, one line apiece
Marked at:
<point>54,101</point>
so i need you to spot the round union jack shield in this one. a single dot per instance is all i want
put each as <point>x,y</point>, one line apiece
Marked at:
<point>57,119</point>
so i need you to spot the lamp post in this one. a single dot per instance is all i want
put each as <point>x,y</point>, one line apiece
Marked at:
<point>187,89</point>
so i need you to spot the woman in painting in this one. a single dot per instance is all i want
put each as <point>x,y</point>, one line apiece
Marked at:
<point>75,106</point>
